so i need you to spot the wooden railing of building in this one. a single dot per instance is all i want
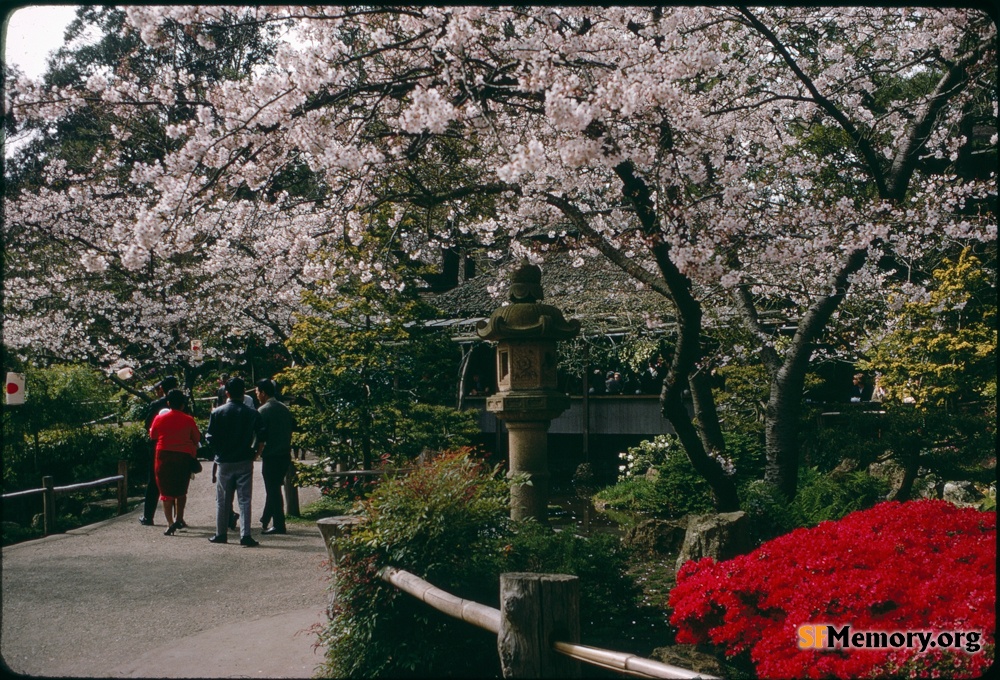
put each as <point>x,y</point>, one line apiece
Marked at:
<point>537,625</point>
<point>49,491</point>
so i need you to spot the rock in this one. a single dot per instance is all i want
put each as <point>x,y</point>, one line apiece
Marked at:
<point>719,535</point>
<point>928,486</point>
<point>962,494</point>
<point>889,470</point>
<point>656,536</point>
<point>689,658</point>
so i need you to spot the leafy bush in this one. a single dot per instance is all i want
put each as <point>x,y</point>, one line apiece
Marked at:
<point>448,522</point>
<point>922,565</point>
<point>420,427</point>
<point>675,489</point>
<point>767,510</point>
<point>820,497</point>
<point>432,523</point>
<point>62,395</point>
<point>327,506</point>
<point>831,496</point>
<point>638,460</point>
<point>78,455</point>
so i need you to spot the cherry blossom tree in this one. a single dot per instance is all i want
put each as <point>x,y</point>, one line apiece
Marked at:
<point>722,156</point>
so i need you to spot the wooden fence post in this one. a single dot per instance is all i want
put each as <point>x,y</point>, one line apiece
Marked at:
<point>333,528</point>
<point>122,487</point>
<point>48,505</point>
<point>535,611</point>
<point>291,493</point>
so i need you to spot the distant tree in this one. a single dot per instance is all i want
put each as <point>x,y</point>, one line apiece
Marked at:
<point>367,369</point>
<point>940,347</point>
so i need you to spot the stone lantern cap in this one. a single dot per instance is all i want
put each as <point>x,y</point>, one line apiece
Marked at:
<point>525,317</point>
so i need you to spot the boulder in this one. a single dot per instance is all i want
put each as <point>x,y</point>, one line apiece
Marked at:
<point>962,494</point>
<point>719,535</point>
<point>689,658</point>
<point>656,536</point>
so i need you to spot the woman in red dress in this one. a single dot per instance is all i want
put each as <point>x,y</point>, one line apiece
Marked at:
<point>176,436</point>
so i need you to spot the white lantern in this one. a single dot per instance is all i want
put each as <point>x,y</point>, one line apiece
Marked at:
<point>196,350</point>
<point>15,389</point>
<point>125,373</point>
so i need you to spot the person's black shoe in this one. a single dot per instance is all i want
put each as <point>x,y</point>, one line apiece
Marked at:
<point>233,519</point>
<point>272,531</point>
<point>171,529</point>
<point>181,524</point>
<point>218,539</point>
<point>146,522</point>
<point>248,542</point>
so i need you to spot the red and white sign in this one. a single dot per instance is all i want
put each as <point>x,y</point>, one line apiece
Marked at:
<point>196,350</point>
<point>15,389</point>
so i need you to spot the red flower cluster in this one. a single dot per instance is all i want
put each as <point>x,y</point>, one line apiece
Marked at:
<point>917,566</point>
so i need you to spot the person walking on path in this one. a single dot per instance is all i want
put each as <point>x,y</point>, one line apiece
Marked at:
<point>275,454</point>
<point>232,430</point>
<point>176,437</point>
<point>220,393</point>
<point>152,490</point>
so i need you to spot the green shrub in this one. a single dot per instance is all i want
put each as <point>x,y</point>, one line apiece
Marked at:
<point>767,510</point>
<point>632,494</point>
<point>682,489</point>
<point>433,523</point>
<point>77,455</point>
<point>448,522</point>
<point>823,497</point>
<point>675,489</point>
<point>327,506</point>
<point>651,453</point>
<point>428,427</point>
<point>608,598</point>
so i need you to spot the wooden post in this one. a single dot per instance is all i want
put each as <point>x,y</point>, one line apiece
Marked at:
<point>333,528</point>
<point>122,487</point>
<point>535,611</point>
<point>48,505</point>
<point>291,493</point>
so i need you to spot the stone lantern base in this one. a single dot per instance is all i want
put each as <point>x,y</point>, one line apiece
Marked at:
<point>527,415</point>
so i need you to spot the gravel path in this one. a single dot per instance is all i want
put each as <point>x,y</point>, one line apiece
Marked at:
<point>118,599</point>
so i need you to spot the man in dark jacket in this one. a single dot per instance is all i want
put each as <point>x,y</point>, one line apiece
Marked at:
<point>232,430</point>
<point>152,410</point>
<point>275,454</point>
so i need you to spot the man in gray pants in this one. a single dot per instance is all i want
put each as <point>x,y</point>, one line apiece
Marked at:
<point>232,430</point>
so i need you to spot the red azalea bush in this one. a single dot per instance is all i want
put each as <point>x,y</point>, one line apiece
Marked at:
<point>916,566</point>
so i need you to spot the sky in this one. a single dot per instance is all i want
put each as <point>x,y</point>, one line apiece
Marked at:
<point>34,32</point>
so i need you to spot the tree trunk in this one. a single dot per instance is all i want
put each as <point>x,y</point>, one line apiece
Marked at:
<point>781,428</point>
<point>697,443</point>
<point>784,404</point>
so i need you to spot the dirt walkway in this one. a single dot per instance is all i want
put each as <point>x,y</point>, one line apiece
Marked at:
<point>118,599</point>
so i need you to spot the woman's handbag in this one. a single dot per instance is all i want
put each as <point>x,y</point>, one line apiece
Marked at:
<point>195,466</point>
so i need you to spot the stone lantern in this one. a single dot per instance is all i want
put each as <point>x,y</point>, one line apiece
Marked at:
<point>527,399</point>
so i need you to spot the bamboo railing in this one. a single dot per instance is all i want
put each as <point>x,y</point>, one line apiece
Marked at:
<point>493,620</point>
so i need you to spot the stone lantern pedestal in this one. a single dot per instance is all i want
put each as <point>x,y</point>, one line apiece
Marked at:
<point>527,399</point>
